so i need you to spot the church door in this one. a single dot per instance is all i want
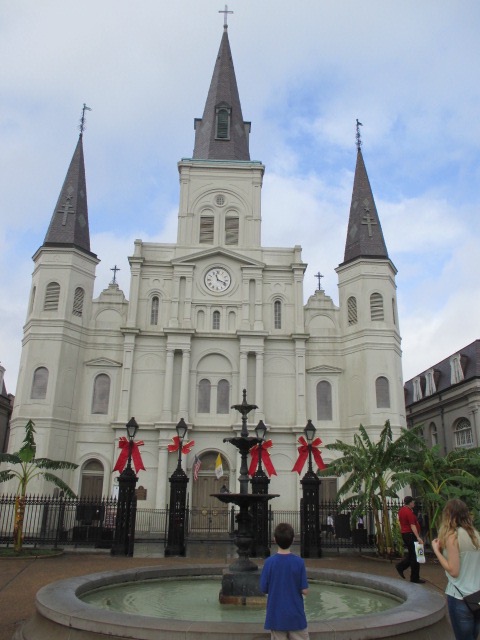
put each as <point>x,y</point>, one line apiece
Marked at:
<point>208,515</point>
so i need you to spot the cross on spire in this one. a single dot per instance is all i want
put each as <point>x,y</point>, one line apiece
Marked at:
<point>66,208</point>
<point>368,220</point>
<point>81,126</point>
<point>319,276</point>
<point>114,269</point>
<point>225,16</point>
<point>358,135</point>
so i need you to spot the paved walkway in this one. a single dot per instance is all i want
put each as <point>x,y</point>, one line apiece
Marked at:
<point>20,579</point>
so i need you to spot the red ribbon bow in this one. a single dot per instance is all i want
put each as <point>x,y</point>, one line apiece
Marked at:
<point>303,454</point>
<point>187,447</point>
<point>124,445</point>
<point>267,462</point>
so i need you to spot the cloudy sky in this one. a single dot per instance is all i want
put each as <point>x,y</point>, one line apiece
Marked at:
<point>409,70</point>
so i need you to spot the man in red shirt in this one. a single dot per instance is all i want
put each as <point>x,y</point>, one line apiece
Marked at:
<point>410,530</point>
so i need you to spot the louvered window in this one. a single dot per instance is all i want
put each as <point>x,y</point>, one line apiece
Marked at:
<point>206,229</point>
<point>352,310</point>
<point>231,230</point>
<point>223,124</point>
<point>78,302</point>
<point>277,314</point>
<point>216,320</point>
<point>376,307</point>
<point>32,299</point>
<point>204,396</point>
<point>101,394</point>
<point>154,310</point>
<point>463,434</point>
<point>223,396</point>
<point>382,390</point>
<point>324,400</point>
<point>52,297</point>
<point>39,384</point>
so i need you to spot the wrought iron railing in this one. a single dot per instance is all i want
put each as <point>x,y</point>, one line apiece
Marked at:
<point>59,522</point>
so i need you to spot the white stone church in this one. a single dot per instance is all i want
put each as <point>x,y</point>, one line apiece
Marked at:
<point>207,317</point>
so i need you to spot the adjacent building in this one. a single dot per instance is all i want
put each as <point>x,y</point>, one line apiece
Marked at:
<point>445,399</point>
<point>208,316</point>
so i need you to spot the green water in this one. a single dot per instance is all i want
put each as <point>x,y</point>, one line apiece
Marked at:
<point>197,599</point>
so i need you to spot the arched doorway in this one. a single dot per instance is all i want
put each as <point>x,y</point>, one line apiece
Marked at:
<point>208,515</point>
<point>91,485</point>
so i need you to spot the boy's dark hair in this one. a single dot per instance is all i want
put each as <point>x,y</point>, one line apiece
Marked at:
<point>284,535</point>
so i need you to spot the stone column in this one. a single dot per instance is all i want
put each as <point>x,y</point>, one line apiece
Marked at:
<point>167,387</point>
<point>126,383</point>
<point>260,412</point>
<point>183,407</point>
<point>162,479</point>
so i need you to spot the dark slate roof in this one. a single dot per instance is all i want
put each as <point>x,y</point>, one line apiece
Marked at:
<point>364,235</point>
<point>223,89</point>
<point>470,361</point>
<point>69,223</point>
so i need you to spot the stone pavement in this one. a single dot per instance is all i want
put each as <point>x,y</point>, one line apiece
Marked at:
<point>20,579</point>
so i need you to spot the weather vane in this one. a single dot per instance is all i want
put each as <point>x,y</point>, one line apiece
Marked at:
<point>225,12</point>
<point>358,136</point>
<point>81,126</point>
<point>319,276</point>
<point>114,269</point>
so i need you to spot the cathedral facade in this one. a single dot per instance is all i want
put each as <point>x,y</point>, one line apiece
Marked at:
<point>207,317</point>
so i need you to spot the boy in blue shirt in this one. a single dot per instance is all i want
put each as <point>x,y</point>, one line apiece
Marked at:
<point>284,580</point>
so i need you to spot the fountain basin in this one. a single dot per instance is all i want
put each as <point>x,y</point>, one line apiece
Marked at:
<point>421,615</point>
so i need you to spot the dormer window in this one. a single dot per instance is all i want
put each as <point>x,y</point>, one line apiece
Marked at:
<point>222,130</point>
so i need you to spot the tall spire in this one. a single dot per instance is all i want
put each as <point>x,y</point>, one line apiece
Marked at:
<point>364,235</point>
<point>69,223</point>
<point>222,134</point>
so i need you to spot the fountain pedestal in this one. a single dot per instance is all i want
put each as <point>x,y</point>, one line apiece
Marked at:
<point>240,582</point>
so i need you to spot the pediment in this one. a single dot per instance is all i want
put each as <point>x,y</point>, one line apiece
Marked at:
<point>325,369</point>
<point>218,252</point>
<point>102,362</point>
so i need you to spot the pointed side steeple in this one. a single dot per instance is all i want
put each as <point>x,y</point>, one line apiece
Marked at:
<point>222,134</point>
<point>364,236</point>
<point>69,223</point>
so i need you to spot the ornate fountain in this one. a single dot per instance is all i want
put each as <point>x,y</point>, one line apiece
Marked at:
<point>240,582</point>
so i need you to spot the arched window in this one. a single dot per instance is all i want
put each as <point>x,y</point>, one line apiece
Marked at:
<point>463,434</point>
<point>382,390</point>
<point>352,310</point>
<point>39,384</point>
<point>154,310</point>
<point>223,396</point>
<point>216,320</point>
<point>78,298</point>
<point>433,434</point>
<point>277,314</point>
<point>324,400</point>
<point>231,230</point>
<point>223,123</point>
<point>376,307</point>
<point>101,394</point>
<point>52,297</point>
<point>207,225</point>
<point>203,405</point>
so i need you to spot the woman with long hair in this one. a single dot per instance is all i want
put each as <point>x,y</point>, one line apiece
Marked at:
<point>458,551</point>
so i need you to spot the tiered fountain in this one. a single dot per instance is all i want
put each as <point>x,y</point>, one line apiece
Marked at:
<point>240,582</point>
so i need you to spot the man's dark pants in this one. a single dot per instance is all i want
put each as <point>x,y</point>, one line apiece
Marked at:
<point>411,558</point>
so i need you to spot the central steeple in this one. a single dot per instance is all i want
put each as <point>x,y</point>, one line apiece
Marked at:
<point>221,133</point>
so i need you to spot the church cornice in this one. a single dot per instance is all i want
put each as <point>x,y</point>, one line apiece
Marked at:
<point>325,369</point>
<point>102,362</point>
<point>216,252</point>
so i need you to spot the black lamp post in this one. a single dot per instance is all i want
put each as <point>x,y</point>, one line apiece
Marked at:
<point>310,542</point>
<point>178,501</point>
<point>260,544</point>
<point>124,538</point>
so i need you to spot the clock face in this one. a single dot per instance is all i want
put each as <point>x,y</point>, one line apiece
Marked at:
<point>217,279</point>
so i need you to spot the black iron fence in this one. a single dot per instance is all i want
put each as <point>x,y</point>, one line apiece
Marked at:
<point>59,522</point>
